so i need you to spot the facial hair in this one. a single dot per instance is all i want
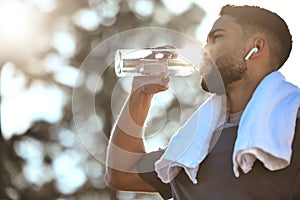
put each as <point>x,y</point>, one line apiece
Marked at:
<point>231,67</point>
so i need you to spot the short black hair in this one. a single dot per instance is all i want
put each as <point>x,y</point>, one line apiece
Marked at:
<point>256,19</point>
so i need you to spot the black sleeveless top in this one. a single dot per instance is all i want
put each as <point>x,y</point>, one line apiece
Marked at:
<point>216,179</point>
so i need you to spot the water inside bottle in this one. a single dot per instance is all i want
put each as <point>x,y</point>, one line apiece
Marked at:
<point>127,64</point>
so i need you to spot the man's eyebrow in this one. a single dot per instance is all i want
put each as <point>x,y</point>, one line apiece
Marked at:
<point>214,31</point>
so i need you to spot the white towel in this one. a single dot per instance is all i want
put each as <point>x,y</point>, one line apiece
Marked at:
<point>190,145</point>
<point>267,126</point>
<point>266,132</point>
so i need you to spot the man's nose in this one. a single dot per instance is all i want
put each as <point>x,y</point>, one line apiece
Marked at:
<point>207,48</point>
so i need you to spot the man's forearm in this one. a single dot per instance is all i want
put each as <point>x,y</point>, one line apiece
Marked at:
<point>126,144</point>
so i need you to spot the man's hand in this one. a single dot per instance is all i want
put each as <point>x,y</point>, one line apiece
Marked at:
<point>151,85</point>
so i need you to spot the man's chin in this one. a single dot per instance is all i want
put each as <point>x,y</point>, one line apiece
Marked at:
<point>213,83</point>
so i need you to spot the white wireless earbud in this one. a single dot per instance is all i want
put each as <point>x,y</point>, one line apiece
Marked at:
<point>253,50</point>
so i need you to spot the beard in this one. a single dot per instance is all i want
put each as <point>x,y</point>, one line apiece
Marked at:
<point>231,68</point>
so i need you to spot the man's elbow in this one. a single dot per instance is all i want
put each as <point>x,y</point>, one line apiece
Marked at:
<point>126,181</point>
<point>114,180</point>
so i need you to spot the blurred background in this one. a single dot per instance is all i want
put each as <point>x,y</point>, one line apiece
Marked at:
<point>45,153</point>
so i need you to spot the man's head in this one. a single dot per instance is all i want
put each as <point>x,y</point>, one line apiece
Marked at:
<point>255,20</point>
<point>240,29</point>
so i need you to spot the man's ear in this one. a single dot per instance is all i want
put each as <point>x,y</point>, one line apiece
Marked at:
<point>260,44</point>
<point>257,46</point>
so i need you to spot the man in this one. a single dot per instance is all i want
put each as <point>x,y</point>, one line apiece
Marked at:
<point>247,44</point>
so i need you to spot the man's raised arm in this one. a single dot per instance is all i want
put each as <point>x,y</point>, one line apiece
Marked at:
<point>126,146</point>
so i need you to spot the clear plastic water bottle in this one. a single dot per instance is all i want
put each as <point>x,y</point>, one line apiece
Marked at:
<point>151,62</point>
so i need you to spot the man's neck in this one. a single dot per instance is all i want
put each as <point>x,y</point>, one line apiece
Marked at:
<point>239,94</point>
